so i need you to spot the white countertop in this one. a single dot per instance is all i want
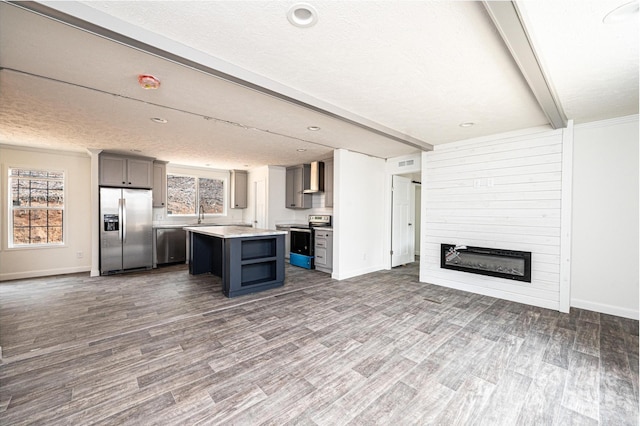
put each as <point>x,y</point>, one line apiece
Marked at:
<point>183,225</point>
<point>232,231</point>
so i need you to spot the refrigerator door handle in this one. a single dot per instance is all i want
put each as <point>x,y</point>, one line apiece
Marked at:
<point>120,227</point>
<point>124,220</point>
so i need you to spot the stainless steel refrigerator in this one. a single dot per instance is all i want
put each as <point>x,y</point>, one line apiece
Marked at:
<point>126,217</point>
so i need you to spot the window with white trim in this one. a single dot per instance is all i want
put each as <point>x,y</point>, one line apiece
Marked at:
<point>37,207</point>
<point>185,195</point>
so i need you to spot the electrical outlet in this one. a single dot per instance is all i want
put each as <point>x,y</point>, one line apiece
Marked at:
<point>79,255</point>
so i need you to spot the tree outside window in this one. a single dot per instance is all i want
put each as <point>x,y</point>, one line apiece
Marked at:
<point>37,207</point>
<point>185,195</point>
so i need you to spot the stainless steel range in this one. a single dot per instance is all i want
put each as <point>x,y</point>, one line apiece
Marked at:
<point>302,241</point>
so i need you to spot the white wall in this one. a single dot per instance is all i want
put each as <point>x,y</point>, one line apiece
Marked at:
<point>33,262</point>
<point>275,178</point>
<point>498,192</point>
<point>605,217</point>
<point>359,214</point>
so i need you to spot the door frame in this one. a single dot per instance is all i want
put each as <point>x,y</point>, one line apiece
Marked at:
<point>398,166</point>
<point>397,228</point>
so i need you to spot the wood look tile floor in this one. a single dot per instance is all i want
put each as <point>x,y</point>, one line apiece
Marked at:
<point>164,347</point>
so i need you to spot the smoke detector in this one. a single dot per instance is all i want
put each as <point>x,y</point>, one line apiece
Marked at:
<point>148,82</point>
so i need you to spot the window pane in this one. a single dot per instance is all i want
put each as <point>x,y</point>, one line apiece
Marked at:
<point>38,234</point>
<point>211,195</point>
<point>54,198</point>
<point>181,195</point>
<point>20,219</point>
<point>38,193</point>
<point>20,235</point>
<point>38,218</point>
<point>39,173</point>
<point>20,193</point>
<point>55,219</point>
<point>55,184</point>
<point>54,235</point>
<point>15,185</point>
<point>19,172</point>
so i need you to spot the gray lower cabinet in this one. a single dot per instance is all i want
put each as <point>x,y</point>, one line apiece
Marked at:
<point>323,250</point>
<point>298,178</point>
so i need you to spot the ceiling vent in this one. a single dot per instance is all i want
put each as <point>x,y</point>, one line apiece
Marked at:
<point>405,163</point>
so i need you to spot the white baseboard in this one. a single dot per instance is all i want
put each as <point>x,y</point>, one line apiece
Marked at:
<point>603,308</point>
<point>43,273</point>
<point>356,273</point>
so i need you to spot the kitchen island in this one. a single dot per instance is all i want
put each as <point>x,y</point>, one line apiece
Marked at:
<point>247,259</point>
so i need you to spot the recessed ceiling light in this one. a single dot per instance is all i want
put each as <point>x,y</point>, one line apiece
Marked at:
<point>621,13</point>
<point>302,15</point>
<point>301,149</point>
<point>149,82</point>
<point>159,120</point>
<point>313,128</point>
<point>467,124</point>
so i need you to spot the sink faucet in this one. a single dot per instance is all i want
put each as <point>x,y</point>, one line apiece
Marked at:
<point>200,214</point>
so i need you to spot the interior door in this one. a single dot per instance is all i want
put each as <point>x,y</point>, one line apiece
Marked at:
<point>402,226</point>
<point>259,207</point>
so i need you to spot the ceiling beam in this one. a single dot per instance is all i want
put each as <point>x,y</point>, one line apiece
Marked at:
<point>508,20</point>
<point>96,22</point>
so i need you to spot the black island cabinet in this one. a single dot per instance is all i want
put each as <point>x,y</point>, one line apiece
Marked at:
<point>248,260</point>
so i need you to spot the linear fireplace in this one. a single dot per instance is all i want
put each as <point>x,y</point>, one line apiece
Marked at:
<point>510,264</point>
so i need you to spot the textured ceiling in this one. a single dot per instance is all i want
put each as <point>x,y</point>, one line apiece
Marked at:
<point>593,66</point>
<point>417,68</point>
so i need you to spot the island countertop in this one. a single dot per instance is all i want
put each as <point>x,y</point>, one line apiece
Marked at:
<point>232,231</point>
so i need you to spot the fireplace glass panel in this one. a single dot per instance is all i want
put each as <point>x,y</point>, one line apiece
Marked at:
<point>515,265</point>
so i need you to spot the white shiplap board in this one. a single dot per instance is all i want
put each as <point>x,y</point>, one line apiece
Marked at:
<point>501,193</point>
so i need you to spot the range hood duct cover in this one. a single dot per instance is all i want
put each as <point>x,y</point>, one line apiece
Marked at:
<point>316,181</point>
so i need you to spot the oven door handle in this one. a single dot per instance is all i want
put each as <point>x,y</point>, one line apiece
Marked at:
<point>308,231</point>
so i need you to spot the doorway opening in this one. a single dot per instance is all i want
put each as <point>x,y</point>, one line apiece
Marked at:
<point>406,218</point>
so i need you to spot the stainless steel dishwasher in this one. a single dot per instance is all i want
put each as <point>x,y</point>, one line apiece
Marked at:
<point>171,245</point>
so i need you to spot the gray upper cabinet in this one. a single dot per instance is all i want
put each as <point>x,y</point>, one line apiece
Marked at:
<point>126,171</point>
<point>159,184</point>
<point>298,178</point>
<point>328,182</point>
<point>238,189</point>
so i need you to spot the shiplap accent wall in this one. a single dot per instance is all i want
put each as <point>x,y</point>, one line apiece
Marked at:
<point>501,193</point>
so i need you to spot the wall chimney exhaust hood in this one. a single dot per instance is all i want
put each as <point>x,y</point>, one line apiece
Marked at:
<point>316,182</point>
